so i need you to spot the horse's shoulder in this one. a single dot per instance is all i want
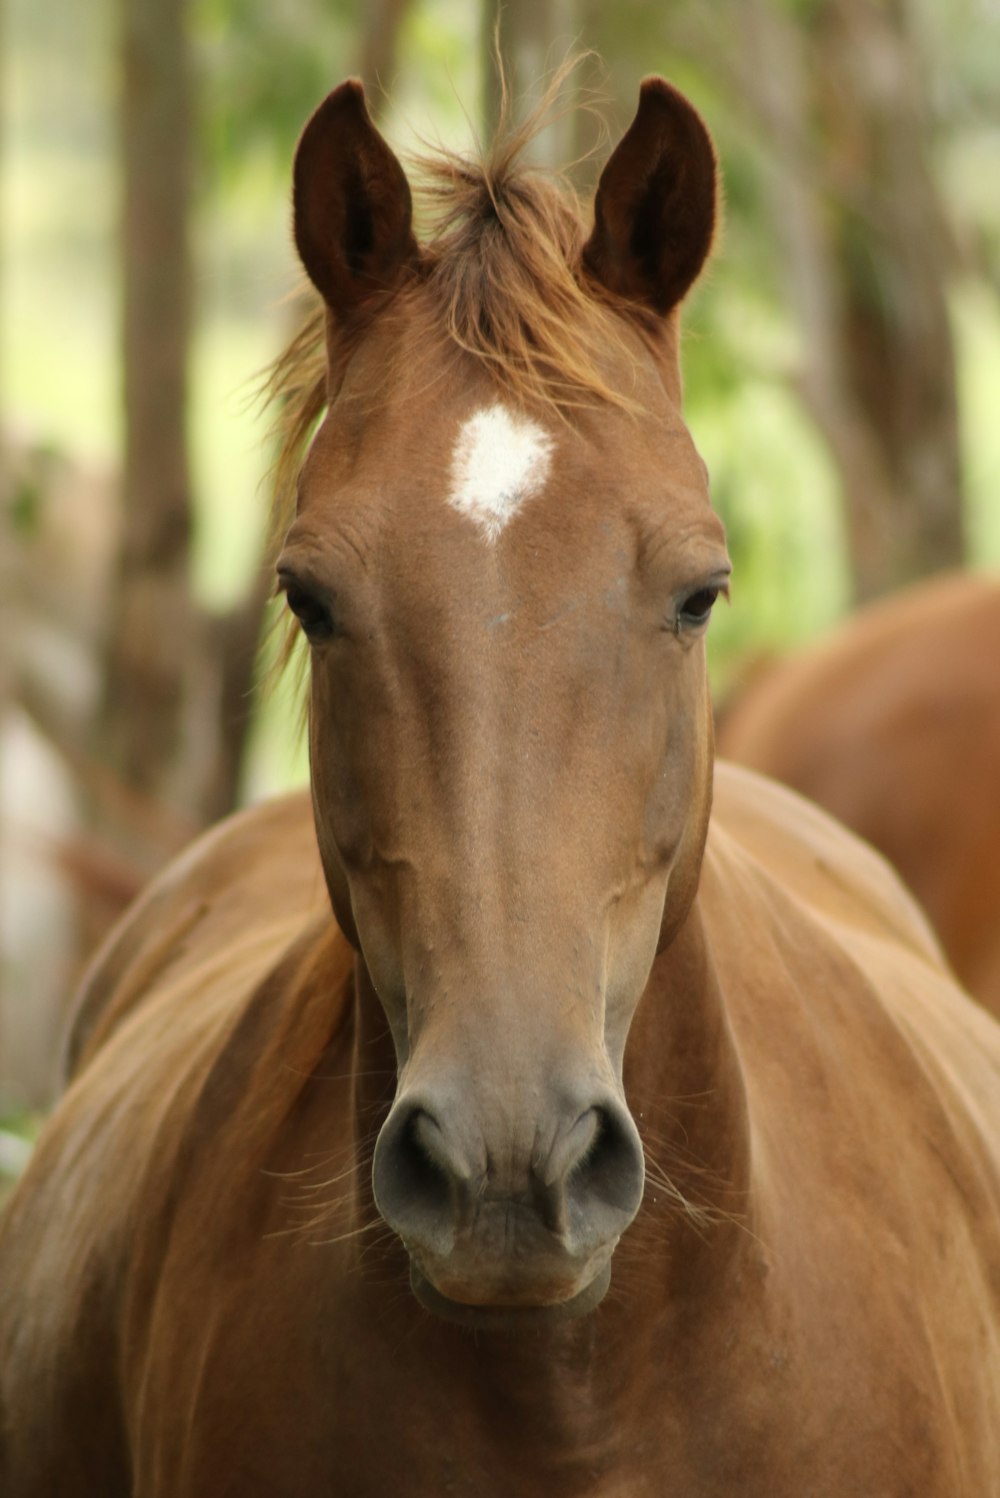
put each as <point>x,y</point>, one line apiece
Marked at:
<point>805,913</point>
<point>819,864</point>
<point>200,1027</point>
<point>250,875</point>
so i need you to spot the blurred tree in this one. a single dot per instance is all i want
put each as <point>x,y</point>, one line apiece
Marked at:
<point>262,68</point>
<point>3,143</point>
<point>868,256</point>
<point>620,41</point>
<point>176,694</point>
<point>532,38</point>
<point>381,23</point>
<point>836,95</point>
<point>152,628</point>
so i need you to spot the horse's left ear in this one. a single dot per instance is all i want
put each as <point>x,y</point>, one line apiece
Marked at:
<point>655,209</point>
<point>351,201</point>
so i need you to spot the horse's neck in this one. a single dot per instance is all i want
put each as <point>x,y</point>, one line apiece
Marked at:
<point>685,1087</point>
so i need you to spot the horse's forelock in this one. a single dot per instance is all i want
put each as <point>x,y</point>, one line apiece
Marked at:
<point>504,282</point>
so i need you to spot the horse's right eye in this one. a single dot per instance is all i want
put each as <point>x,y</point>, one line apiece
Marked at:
<point>697,607</point>
<point>312,612</point>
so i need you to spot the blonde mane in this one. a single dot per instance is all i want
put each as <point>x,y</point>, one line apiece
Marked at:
<point>503,265</point>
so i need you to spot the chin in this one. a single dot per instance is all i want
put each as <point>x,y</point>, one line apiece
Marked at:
<point>509,1314</point>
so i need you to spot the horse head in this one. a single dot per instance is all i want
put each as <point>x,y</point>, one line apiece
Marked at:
<point>504,561</point>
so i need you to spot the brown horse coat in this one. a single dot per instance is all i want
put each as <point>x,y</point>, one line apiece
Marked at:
<point>612,1145</point>
<point>196,1318</point>
<point>893,724</point>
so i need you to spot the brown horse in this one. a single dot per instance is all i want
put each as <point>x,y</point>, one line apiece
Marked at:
<point>592,1149</point>
<point>893,724</point>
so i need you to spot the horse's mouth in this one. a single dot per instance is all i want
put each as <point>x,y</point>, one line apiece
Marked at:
<point>510,1318</point>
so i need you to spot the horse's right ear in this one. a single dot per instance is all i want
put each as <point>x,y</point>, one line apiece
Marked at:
<point>352,207</point>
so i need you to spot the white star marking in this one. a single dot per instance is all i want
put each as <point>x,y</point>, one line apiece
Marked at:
<point>500,460</point>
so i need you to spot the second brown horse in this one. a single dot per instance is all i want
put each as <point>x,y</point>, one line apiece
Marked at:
<point>893,724</point>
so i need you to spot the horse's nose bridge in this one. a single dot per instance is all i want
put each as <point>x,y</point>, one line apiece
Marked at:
<point>508,1081</point>
<point>521,1141</point>
<point>506,1126</point>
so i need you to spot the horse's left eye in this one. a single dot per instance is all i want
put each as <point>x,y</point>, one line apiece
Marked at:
<point>311,612</point>
<point>696,608</point>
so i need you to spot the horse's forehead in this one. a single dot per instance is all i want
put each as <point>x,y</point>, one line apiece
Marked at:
<point>488,456</point>
<point>472,479</point>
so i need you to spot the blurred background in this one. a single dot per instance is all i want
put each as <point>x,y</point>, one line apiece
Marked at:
<point>842,365</point>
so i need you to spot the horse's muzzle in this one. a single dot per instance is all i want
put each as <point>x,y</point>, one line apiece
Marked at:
<point>488,1225</point>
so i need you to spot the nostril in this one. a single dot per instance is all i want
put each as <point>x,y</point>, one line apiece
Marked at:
<point>609,1171</point>
<point>421,1158</point>
<point>411,1177</point>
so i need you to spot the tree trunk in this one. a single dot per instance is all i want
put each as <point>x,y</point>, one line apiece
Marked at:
<point>621,37</point>
<point>177,681</point>
<point>866,253</point>
<point>894,253</point>
<point>382,23</point>
<point>153,629</point>
<point>531,38</point>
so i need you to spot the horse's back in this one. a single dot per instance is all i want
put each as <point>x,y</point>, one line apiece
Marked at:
<point>937,639</point>
<point>810,854</point>
<point>830,966</point>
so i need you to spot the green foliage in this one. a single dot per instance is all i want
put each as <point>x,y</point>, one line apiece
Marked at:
<point>18,1133</point>
<point>262,67</point>
<point>977,322</point>
<point>25,510</point>
<point>774,488</point>
<point>439,68</point>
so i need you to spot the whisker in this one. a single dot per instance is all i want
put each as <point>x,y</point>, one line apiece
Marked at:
<point>357,1232</point>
